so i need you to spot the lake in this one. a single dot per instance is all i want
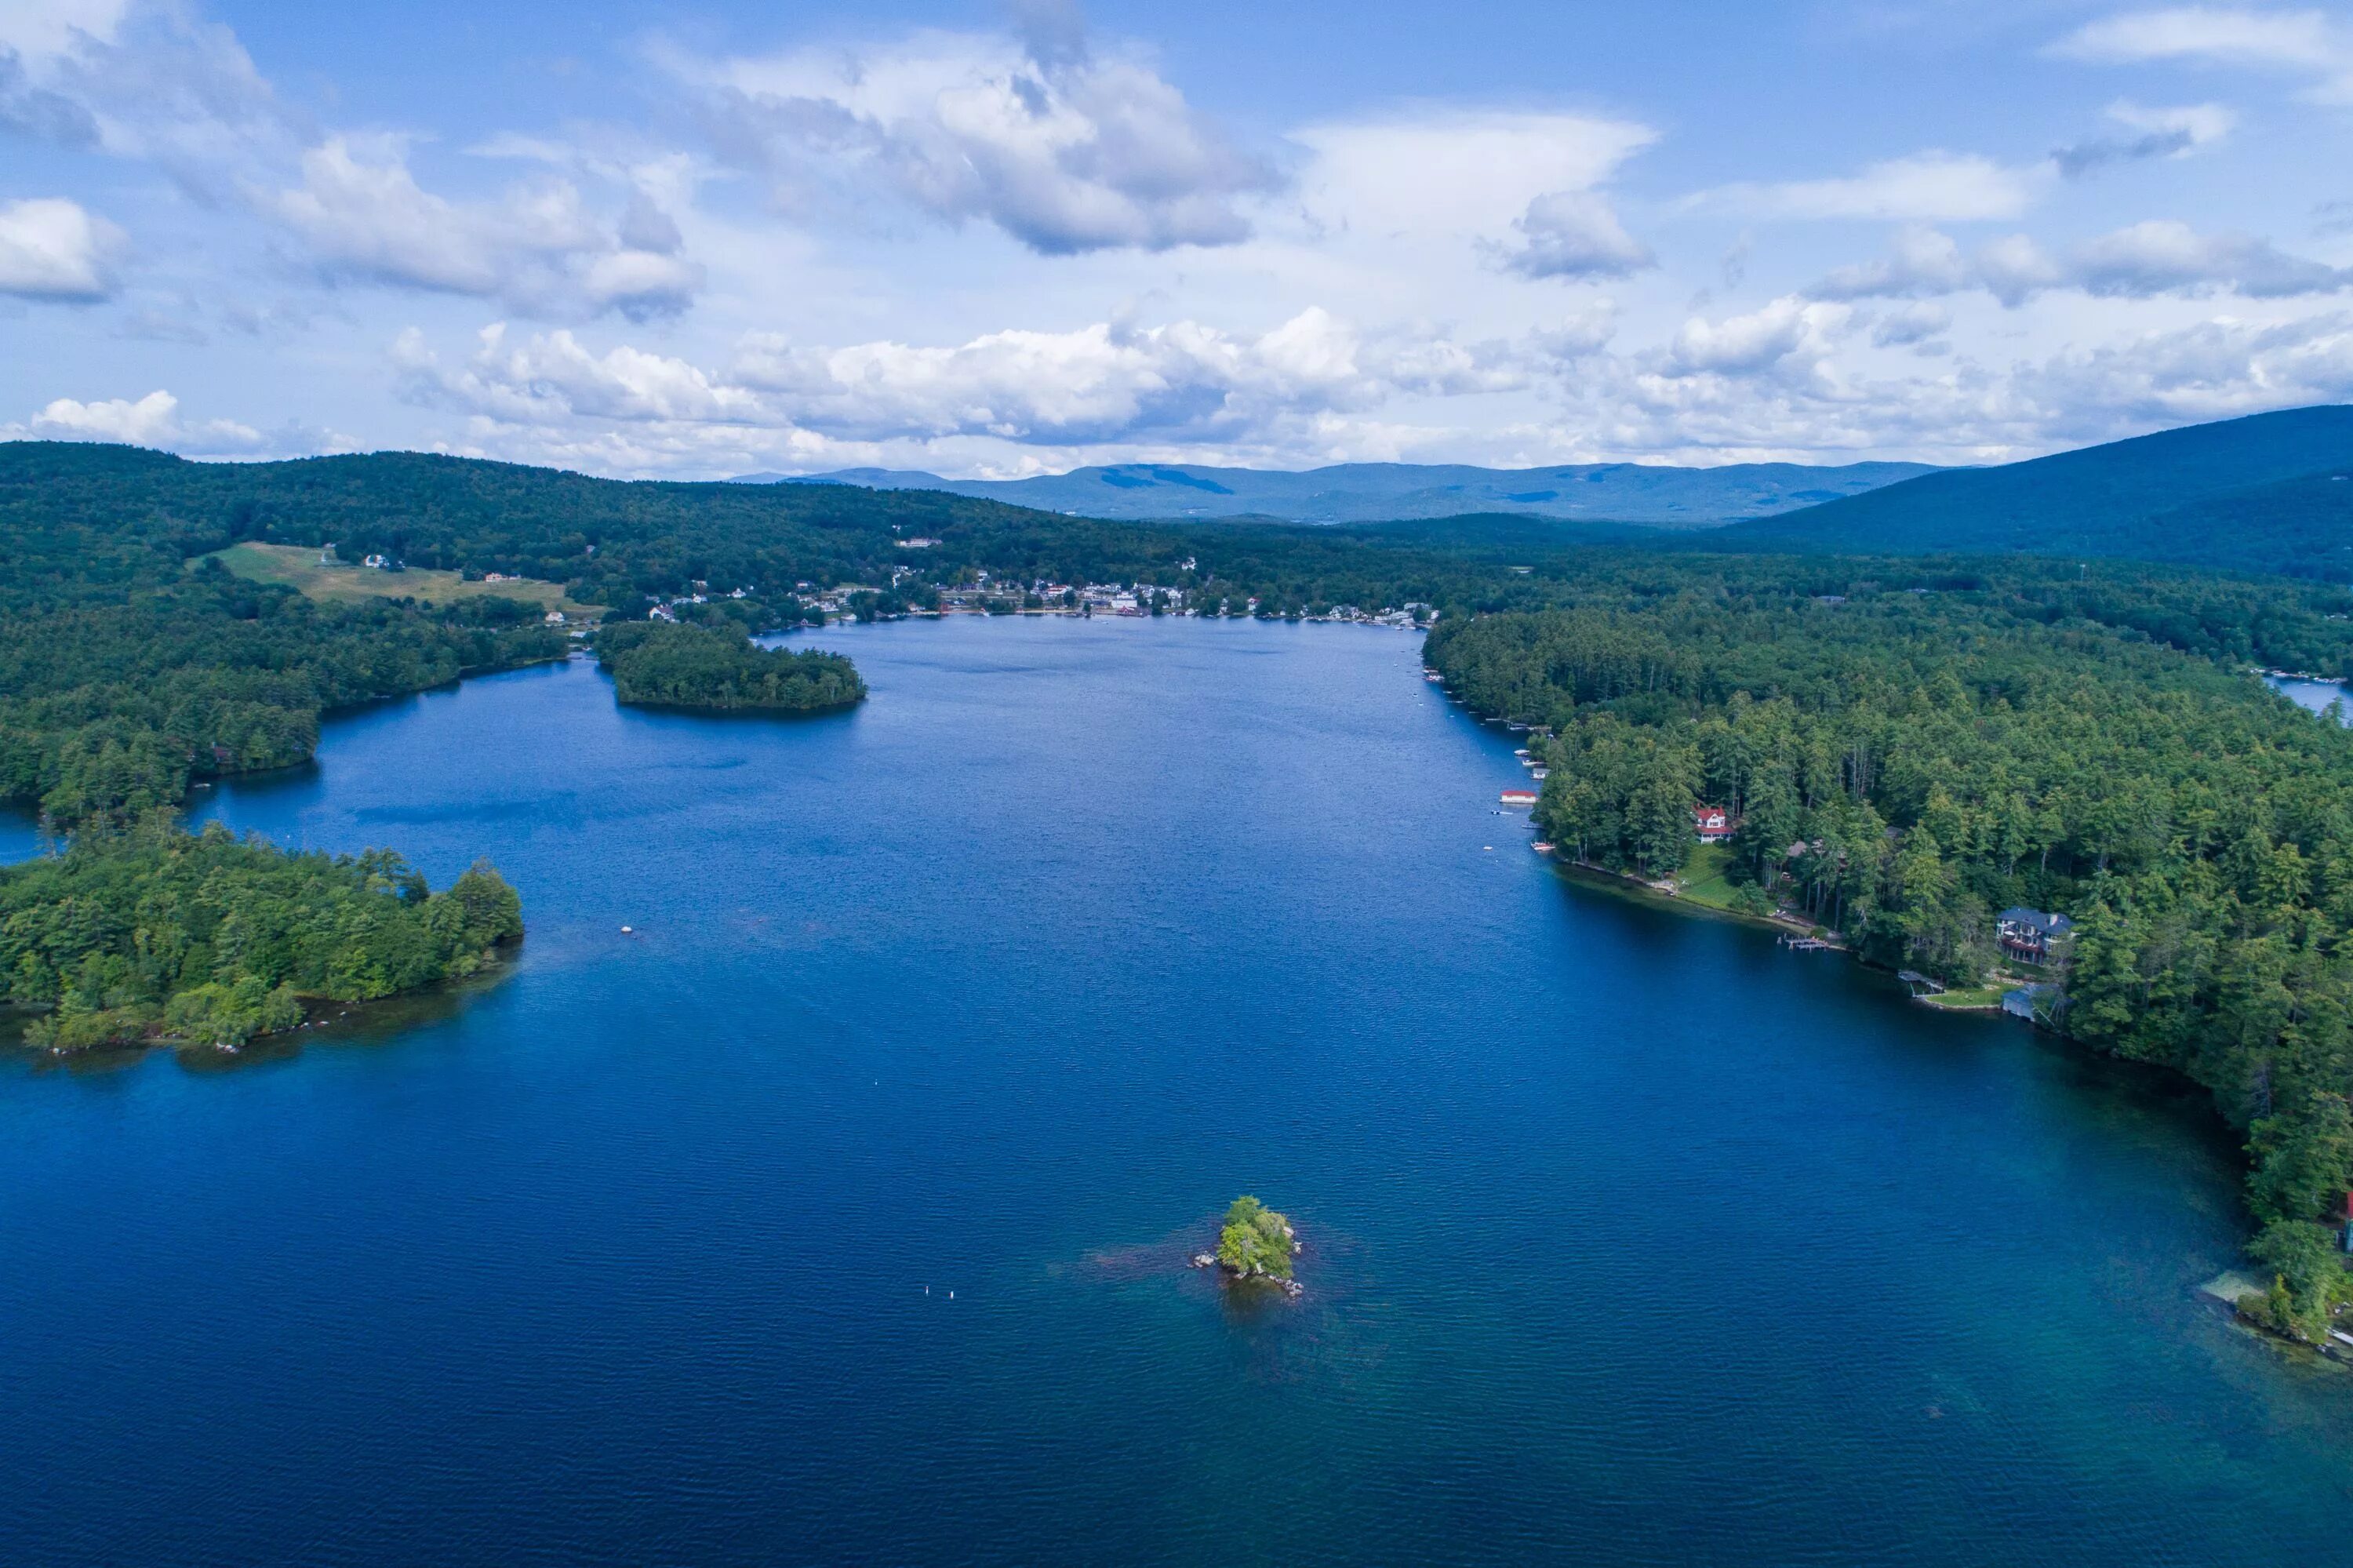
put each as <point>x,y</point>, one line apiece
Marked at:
<point>839,1214</point>
<point>2316,696</point>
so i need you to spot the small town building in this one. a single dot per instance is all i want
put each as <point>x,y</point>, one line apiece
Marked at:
<point>2031,934</point>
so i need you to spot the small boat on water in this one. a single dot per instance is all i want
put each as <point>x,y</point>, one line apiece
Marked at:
<point>1539,774</point>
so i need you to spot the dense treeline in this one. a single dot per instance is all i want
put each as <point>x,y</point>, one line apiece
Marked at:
<point>620,544</point>
<point>110,709</point>
<point>1905,765</point>
<point>688,666</point>
<point>154,933</point>
<point>131,666</point>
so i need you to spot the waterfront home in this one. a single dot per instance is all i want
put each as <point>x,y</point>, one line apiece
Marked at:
<point>2031,934</point>
<point>1713,823</point>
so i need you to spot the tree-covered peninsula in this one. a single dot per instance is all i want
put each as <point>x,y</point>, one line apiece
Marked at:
<point>156,934</point>
<point>718,667</point>
<point>1905,765</point>
<point>131,666</point>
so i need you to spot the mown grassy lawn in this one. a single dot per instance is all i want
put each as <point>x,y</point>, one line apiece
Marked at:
<point>1703,878</point>
<point>297,567</point>
<point>1974,996</point>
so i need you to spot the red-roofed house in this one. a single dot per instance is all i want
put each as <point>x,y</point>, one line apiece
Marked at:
<point>1714,823</point>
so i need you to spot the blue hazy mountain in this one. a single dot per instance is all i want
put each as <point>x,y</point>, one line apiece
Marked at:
<point>1387,491</point>
<point>2269,493</point>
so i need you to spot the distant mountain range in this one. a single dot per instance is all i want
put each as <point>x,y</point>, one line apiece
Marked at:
<point>1390,491</point>
<point>2270,493</point>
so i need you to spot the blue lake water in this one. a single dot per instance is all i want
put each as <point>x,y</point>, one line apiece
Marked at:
<point>2313,694</point>
<point>1631,1236</point>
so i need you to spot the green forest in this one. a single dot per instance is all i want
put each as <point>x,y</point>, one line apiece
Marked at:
<point>2267,493</point>
<point>688,666</point>
<point>154,933</point>
<point>1905,765</point>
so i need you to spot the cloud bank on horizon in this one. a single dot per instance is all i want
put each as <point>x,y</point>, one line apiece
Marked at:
<point>680,241</point>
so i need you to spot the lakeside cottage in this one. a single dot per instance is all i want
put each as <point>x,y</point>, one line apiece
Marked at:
<point>2031,934</point>
<point>1713,823</point>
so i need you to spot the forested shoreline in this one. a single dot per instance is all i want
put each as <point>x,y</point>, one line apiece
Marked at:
<point>152,933</point>
<point>720,669</point>
<point>1902,765</point>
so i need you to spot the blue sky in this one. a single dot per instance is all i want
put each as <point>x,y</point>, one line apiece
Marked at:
<point>685,240</point>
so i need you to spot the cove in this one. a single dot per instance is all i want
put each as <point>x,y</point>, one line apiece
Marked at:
<point>1632,1237</point>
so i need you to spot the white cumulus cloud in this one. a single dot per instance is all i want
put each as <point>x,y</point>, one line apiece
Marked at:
<point>1756,341</point>
<point>1064,147</point>
<point>1106,384</point>
<point>1574,234</point>
<point>537,248</point>
<point>52,249</point>
<point>1455,173</point>
<point>2143,261</point>
<point>152,421</point>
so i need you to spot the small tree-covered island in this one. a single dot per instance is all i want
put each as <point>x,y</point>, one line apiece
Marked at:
<point>654,665</point>
<point>157,934</point>
<point>1256,1243</point>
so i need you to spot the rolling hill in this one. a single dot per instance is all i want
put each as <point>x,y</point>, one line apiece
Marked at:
<point>2269,493</point>
<point>1645,493</point>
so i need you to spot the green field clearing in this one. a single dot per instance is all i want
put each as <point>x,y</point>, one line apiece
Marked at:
<point>297,568</point>
<point>1972,999</point>
<point>1703,879</point>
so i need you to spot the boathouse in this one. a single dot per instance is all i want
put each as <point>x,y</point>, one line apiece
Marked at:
<point>2037,1004</point>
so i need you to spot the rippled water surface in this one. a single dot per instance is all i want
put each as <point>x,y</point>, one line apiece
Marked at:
<point>1632,1238</point>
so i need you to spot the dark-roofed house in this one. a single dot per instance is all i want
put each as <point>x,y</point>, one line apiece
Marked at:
<point>2031,934</point>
